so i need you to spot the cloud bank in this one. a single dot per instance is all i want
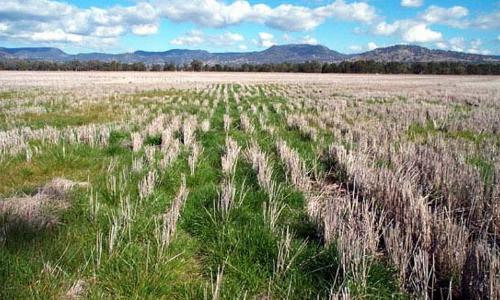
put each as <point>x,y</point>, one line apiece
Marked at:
<point>60,22</point>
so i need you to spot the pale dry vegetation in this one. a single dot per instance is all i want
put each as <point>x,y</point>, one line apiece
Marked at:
<point>254,186</point>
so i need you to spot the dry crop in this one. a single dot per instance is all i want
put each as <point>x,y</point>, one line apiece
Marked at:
<point>258,186</point>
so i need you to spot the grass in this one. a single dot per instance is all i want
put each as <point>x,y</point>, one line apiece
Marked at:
<point>46,263</point>
<point>485,167</point>
<point>418,160</point>
<point>418,131</point>
<point>4,95</point>
<point>78,163</point>
<point>96,114</point>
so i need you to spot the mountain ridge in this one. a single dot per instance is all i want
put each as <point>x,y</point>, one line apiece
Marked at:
<point>292,53</point>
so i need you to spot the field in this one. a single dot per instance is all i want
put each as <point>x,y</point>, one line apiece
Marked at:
<point>249,186</point>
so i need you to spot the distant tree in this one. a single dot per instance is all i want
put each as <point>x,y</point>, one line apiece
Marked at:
<point>245,67</point>
<point>138,66</point>
<point>218,68</point>
<point>169,67</point>
<point>196,65</point>
<point>156,68</point>
<point>418,68</point>
<point>456,68</point>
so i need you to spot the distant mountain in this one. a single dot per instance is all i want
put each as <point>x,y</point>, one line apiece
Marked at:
<point>409,53</point>
<point>294,53</point>
<point>177,56</point>
<point>44,53</point>
<point>297,53</point>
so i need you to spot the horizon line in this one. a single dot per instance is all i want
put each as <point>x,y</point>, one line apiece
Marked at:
<point>255,51</point>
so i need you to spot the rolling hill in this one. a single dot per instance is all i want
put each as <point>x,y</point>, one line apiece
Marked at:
<point>293,53</point>
<point>409,53</point>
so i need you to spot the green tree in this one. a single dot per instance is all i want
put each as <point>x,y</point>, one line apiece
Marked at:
<point>197,65</point>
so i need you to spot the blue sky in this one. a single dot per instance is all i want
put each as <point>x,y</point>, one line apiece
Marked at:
<point>247,25</point>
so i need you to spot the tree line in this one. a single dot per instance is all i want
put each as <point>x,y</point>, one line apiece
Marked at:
<point>370,67</point>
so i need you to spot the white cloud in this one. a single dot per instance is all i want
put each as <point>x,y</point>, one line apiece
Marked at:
<point>47,21</point>
<point>57,35</point>
<point>355,48</point>
<point>287,17</point>
<point>355,11</point>
<point>309,40</point>
<point>210,13</point>
<point>441,45</point>
<point>192,38</point>
<point>488,21</point>
<point>368,47</point>
<point>293,18</point>
<point>420,33</point>
<point>482,52</point>
<point>197,37</point>
<point>460,44</point>
<point>419,29</point>
<point>384,28</point>
<point>479,51</point>
<point>103,31</point>
<point>412,3</point>
<point>265,40</point>
<point>61,22</point>
<point>57,21</point>
<point>145,29</point>
<point>3,27</point>
<point>475,47</point>
<point>306,39</point>
<point>452,16</point>
<point>457,44</point>
<point>476,43</point>
<point>410,31</point>
<point>232,37</point>
<point>227,39</point>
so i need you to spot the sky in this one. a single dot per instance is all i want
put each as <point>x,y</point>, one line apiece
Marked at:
<point>117,26</point>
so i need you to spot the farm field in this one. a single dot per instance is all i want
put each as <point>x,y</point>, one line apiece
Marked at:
<point>249,186</point>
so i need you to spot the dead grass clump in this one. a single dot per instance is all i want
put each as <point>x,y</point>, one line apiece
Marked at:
<point>260,163</point>
<point>430,246</point>
<point>137,141</point>
<point>188,130</point>
<point>227,122</point>
<point>194,156</point>
<point>205,125</point>
<point>147,184</point>
<point>355,227</point>
<point>138,164</point>
<point>167,136</point>
<point>246,124</point>
<point>170,154</point>
<point>300,123</point>
<point>227,196</point>
<point>273,208</point>
<point>230,157</point>
<point>170,218</point>
<point>39,210</point>
<point>295,167</point>
<point>77,291</point>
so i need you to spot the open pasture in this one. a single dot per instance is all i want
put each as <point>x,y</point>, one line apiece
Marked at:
<point>249,186</point>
